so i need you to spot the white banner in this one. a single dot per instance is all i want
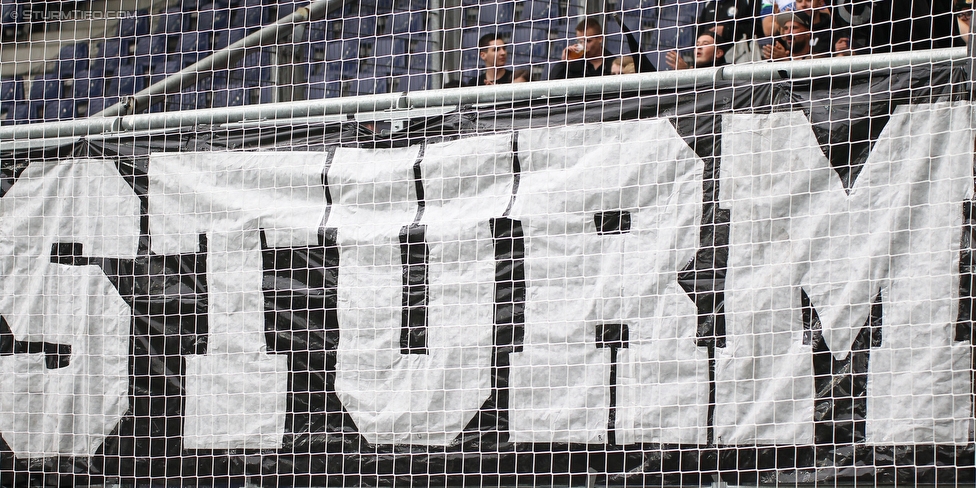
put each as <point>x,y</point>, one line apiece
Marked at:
<point>607,353</point>
<point>896,233</point>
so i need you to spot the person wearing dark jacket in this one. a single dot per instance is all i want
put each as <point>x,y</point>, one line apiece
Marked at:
<point>866,27</point>
<point>709,52</point>
<point>491,50</point>
<point>641,62</point>
<point>588,57</point>
<point>738,23</point>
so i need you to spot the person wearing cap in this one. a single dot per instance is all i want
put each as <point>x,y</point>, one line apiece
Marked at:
<point>709,51</point>
<point>491,50</point>
<point>820,24</point>
<point>793,38</point>
<point>768,11</point>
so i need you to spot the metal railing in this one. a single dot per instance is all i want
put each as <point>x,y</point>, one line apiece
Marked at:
<point>115,120</point>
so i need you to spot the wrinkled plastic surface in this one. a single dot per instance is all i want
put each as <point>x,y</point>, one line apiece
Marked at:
<point>168,295</point>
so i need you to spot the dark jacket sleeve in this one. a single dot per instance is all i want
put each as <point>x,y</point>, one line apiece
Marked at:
<point>641,61</point>
<point>567,69</point>
<point>558,70</point>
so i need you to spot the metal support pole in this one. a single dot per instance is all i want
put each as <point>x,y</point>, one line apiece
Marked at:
<point>971,51</point>
<point>434,24</point>
<point>267,36</point>
<point>593,86</point>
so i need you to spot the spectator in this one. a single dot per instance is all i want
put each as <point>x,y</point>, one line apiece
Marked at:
<point>734,21</point>
<point>623,65</point>
<point>709,51</point>
<point>521,76</point>
<point>768,12</point>
<point>792,40</point>
<point>964,11</point>
<point>589,33</point>
<point>491,50</point>
<point>820,24</point>
<point>642,64</point>
<point>883,26</point>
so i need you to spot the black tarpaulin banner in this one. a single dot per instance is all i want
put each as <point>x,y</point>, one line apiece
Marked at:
<point>273,303</point>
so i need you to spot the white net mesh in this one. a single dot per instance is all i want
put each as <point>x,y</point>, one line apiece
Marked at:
<point>301,254</point>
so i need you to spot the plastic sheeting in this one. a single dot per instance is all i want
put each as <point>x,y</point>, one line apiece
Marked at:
<point>168,288</point>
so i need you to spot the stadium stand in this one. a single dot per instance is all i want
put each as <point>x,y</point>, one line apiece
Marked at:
<point>366,46</point>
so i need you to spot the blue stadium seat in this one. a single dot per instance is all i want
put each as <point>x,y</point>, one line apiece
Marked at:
<point>125,82</point>
<point>59,110</point>
<point>87,85</point>
<point>193,47</point>
<point>347,53</point>
<point>420,54</point>
<point>317,32</point>
<point>537,10</point>
<point>10,18</point>
<point>96,105</point>
<point>14,112</point>
<point>11,101</point>
<point>412,82</point>
<point>251,14</point>
<point>320,87</point>
<point>411,4</point>
<point>111,53</point>
<point>171,22</point>
<point>134,24</point>
<point>162,71</point>
<point>11,90</point>
<point>254,69</point>
<point>370,71</point>
<point>675,25</point>
<point>81,108</point>
<point>389,51</point>
<point>469,49</point>
<point>212,18</point>
<point>227,37</point>
<point>229,96</point>
<point>358,27</point>
<point>46,87</point>
<point>258,94</point>
<point>407,22</point>
<point>188,100</point>
<point>367,86</point>
<point>150,51</point>
<point>117,47</point>
<point>286,8</point>
<point>626,5</point>
<point>385,5</point>
<point>496,13</point>
<point>71,59</point>
<point>531,43</point>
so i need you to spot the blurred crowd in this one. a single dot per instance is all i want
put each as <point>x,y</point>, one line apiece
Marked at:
<point>740,31</point>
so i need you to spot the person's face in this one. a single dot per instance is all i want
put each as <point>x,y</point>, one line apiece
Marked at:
<point>705,51</point>
<point>803,4</point>
<point>494,54</point>
<point>592,43</point>
<point>964,16</point>
<point>796,35</point>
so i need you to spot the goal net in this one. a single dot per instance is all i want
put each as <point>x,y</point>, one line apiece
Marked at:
<point>735,271</point>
